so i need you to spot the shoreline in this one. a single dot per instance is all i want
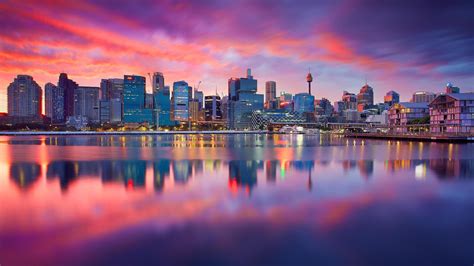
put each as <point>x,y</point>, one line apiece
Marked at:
<point>118,133</point>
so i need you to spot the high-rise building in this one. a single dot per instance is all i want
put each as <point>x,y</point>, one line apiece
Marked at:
<point>24,97</point>
<point>194,112</point>
<point>270,91</point>
<point>69,86</point>
<point>54,103</point>
<point>182,95</point>
<point>325,107</point>
<point>86,103</point>
<point>423,97</point>
<point>199,95</point>
<point>391,97</point>
<point>111,89</point>
<point>243,100</point>
<point>212,107</point>
<point>303,103</point>
<point>158,81</point>
<point>365,97</point>
<point>451,89</point>
<point>349,100</point>
<point>163,106</point>
<point>134,101</point>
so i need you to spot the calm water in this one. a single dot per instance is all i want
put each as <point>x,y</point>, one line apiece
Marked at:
<point>264,199</point>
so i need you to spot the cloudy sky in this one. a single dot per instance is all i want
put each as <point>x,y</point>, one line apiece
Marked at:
<point>397,45</point>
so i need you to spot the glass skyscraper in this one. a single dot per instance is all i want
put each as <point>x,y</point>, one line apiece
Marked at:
<point>134,100</point>
<point>54,103</point>
<point>303,103</point>
<point>182,94</point>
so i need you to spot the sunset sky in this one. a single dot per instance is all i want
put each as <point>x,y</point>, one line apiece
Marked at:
<point>403,45</point>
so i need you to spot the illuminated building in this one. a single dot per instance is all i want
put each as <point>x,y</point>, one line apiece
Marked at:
<point>270,91</point>
<point>212,107</point>
<point>134,101</point>
<point>24,97</point>
<point>303,103</point>
<point>453,113</point>
<point>54,103</point>
<point>423,97</point>
<point>405,112</point>
<point>182,95</point>
<point>349,100</point>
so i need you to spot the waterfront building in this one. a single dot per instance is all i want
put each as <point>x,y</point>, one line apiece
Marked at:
<point>404,113</point>
<point>391,97</point>
<point>194,112</point>
<point>351,115</point>
<point>134,101</point>
<point>270,92</point>
<point>163,106</point>
<point>149,100</point>
<point>365,97</point>
<point>379,119</point>
<point>212,107</point>
<point>423,97</point>
<point>54,103</point>
<point>450,89</point>
<point>303,103</point>
<point>452,113</point>
<point>262,119</point>
<point>182,95</point>
<point>243,100</point>
<point>69,86</point>
<point>24,97</point>
<point>158,81</point>
<point>225,107</point>
<point>86,103</point>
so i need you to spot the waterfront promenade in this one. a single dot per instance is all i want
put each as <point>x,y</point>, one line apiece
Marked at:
<point>90,133</point>
<point>415,136</point>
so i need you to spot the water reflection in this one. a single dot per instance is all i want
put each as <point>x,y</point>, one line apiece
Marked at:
<point>241,173</point>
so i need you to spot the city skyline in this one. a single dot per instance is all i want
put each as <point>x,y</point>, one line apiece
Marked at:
<point>402,47</point>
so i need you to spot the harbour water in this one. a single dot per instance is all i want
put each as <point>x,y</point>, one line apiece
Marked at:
<point>234,199</point>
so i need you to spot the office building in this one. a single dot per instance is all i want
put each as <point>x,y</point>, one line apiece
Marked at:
<point>365,98</point>
<point>349,100</point>
<point>452,113</point>
<point>194,110</point>
<point>391,97</point>
<point>243,100</point>
<point>86,103</point>
<point>182,95</point>
<point>134,111</point>
<point>54,103</point>
<point>24,97</point>
<point>270,91</point>
<point>303,103</point>
<point>212,107</point>
<point>69,86</point>
<point>423,97</point>
<point>111,89</point>
<point>199,96</point>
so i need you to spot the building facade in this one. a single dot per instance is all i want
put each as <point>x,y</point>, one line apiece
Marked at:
<point>365,97</point>
<point>24,97</point>
<point>69,86</point>
<point>54,103</point>
<point>452,113</point>
<point>423,97</point>
<point>391,98</point>
<point>182,95</point>
<point>270,91</point>
<point>303,103</point>
<point>86,103</point>
<point>134,111</point>
<point>403,114</point>
<point>212,108</point>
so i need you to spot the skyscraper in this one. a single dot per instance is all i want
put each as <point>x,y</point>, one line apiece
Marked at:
<point>86,103</point>
<point>243,100</point>
<point>111,89</point>
<point>349,100</point>
<point>365,97</point>
<point>303,103</point>
<point>423,97</point>
<point>54,103</point>
<point>270,91</point>
<point>134,100</point>
<point>212,107</point>
<point>182,95</point>
<point>158,81</point>
<point>391,97</point>
<point>68,86</point>
<point>199,96</point>
<point>24,97</point>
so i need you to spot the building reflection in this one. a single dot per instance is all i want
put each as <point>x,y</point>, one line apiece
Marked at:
<point>24,174</point>
<point>243,173</point>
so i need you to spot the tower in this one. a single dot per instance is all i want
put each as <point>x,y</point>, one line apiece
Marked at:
<point>309,79</point>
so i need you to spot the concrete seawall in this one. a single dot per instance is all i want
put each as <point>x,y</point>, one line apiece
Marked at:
<point>111,133</point>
